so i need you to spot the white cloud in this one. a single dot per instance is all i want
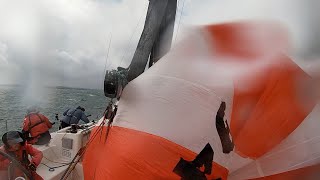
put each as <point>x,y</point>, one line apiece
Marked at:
<point>299,16</point>
<point>66,42</point>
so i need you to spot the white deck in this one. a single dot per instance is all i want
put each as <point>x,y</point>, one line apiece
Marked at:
<point>61,150</point>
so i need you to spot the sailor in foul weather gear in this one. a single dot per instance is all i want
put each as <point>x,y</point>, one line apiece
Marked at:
<point>36,126</point>
<point>73,116</point>
<point>16,146</point>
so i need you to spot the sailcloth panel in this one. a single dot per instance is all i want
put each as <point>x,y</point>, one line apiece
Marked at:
<point>170,111</point>
<point>271,111</point>
<point>307,173</point>
<point>269,102</point>
<point>300,149</point>
<point>178,99</point>
<point>130,154</point>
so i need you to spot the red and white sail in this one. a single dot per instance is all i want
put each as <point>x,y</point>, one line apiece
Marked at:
<point>169,112</point>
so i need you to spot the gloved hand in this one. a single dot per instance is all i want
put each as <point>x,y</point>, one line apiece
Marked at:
<point>32,167</point>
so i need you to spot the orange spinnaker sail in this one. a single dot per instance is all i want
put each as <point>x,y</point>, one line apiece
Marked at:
<point>231,86</point>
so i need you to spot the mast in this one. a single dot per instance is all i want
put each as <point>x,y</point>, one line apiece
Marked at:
<point>155,42</point>
<point>156,37</point>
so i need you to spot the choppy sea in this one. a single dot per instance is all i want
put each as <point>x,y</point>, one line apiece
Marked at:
<point>14,101</point>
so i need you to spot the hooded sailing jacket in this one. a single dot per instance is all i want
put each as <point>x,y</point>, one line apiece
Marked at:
<point>73,116</point>
<point>36,124</point>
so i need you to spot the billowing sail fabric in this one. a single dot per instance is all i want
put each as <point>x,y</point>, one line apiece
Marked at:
<point>272,107</point>
<point>227,103</point>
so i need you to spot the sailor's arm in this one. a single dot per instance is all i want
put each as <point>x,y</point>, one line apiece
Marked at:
<point>35,154</point>
<point>84,118</point>
<point>65,113</point>
<point>47,121</point>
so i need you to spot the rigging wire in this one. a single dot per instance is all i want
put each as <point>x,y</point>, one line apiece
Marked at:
<point>175,39</point>
<point>80,154</point>
<point>56,161</point>
<point>82,150</point>
<point>107,56</point>
<point>134,31</point>
<point>108,110</point>
<point>100,127</point>
<point>54,167</point>
<point>108,53</point>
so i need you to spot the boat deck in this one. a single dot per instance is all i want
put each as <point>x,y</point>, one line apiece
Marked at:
<point>58,154</point>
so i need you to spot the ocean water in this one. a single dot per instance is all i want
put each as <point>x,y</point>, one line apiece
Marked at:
<point>14,101</point>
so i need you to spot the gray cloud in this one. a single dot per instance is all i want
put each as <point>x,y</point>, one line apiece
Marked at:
<point>65,42</point>
<point>58,42</point>
<point>3,53</point>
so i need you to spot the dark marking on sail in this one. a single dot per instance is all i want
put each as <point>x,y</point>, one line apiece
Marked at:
<point>190,170</point>
<point>224,130</point>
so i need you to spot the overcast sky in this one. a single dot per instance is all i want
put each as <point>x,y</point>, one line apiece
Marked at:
<point>65,42</point>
